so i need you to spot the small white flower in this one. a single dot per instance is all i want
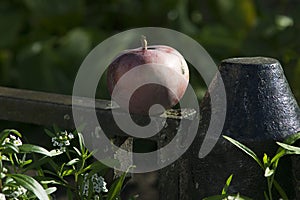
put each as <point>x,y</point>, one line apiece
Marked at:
<point>12,140</point>
<point>62,140</point>
<point>15,191</point>
<point>67,143</point>
<point>71,136</point>
<point>12,137</point>
<point>2,196</point>
<point>85,189</point>
<point>98,183</point>
<point>18,142</point>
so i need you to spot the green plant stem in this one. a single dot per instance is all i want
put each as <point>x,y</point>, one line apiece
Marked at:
<point>1,171</point>
<point>269,180</point>
<point>12,162</point>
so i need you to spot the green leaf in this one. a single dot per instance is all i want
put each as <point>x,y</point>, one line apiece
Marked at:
<point>280,190</point>
<point>90,190</point>
<point>226,186</point>
<point>49,172</point>
<point>70,194</point>
<point>56,129</point>
<point>266,196</point>
<point>265,160</point>
<point>37,163</point>
<point>50,190</point>
<point>81,143</point>
<point>67,172</point>
<point>27,162</point>
<point>48,180</point>
<point>30,184</point>
<point>281,152</point>
<point>291,149</point>
<point>5,133</point>
<point>73,161</point>
<point>30,148</point>
<point>269,172</point>
<point>49,133</point>
<point>245,149</point>
<point>55,152</point>
<point>115,189</point>
<point>54,165</point>
<point>10,148</point>
<point>95,167</point>
<point>77,151</point>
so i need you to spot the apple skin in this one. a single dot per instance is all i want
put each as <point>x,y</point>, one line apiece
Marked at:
<point>172,71</point>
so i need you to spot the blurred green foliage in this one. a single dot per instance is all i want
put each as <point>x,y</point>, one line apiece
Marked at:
<point>43,42</point>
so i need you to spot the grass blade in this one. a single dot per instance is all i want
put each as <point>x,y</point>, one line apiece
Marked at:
<point>245,149</point>
<point>290,148</point>
<point>278,155</point>
<point>115,189</point>
<point>50,190</point>
<point>280,190</point>
<point>226,186</point>
<point>49,133</point>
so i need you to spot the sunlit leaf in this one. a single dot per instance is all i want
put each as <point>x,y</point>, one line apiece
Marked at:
<point>245,149</point>
<point>278,155</point>
<point>269,172</point>
<point>265,159</point>
<point>30,148</point>
<point>30,184</point>
<point>50,190</point>
<point>291,149</point>
<point>10,148</point>
<point>115,189</point>
<point>67,172</point>
<point>5,133</point>
<point>77,151</point>
<point>55,152</point>
<point>73,161</point>
<point>226,186</point>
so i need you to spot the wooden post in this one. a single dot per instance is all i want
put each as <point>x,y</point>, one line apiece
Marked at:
<point>260,110</point>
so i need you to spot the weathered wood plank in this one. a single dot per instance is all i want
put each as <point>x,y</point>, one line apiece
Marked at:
<point>46,109</point>
<point>42,108</point>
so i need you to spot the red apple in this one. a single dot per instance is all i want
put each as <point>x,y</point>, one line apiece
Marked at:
<point>163,64</point>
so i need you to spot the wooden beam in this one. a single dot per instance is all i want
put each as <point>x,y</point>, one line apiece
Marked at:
<point>47,109</point>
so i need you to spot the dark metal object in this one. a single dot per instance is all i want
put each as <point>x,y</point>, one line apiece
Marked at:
<point>260,110</point>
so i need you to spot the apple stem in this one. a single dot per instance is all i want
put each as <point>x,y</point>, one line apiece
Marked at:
<point>144,42</point>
